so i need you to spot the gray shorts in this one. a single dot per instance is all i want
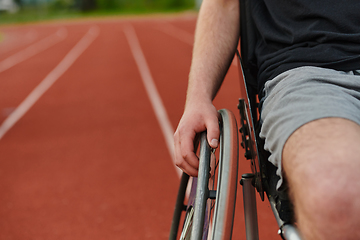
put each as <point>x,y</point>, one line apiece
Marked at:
<point>301,95</point>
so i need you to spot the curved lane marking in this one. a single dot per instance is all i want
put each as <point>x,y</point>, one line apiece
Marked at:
<point>11,40</point>
<point>49,80</point>
<point>176,32</point>
<point>182,35</point>
<point>151,90</point>
<point>33,49</point>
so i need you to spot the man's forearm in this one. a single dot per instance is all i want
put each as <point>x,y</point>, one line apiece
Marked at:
<point>216,38</point>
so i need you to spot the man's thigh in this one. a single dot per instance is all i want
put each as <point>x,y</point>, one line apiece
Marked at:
<point>323,156</point>
<point>301,96</point>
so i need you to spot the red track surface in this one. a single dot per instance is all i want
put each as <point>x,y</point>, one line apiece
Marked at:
<point>89,160</point>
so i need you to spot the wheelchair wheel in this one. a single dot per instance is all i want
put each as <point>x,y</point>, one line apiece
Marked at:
<point>211,203</point>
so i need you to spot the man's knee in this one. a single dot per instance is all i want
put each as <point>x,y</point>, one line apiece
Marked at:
<point>328,209</point>
<point>325,212</point>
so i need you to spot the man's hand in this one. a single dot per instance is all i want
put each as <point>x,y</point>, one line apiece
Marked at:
<point>198,116</point>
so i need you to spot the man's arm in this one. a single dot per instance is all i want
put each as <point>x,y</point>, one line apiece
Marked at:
<point>216,39</point>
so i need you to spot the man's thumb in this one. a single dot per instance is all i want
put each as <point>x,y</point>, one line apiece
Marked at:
<point>213,134</point>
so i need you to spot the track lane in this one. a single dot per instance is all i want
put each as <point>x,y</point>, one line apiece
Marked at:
<point>169,62</point>
<point>33,49</point>
<point>13,38</point>
<point>85,148</point>
<point>17,82</point>
<point>17,38</point>
<point>151,90</point>
<point>50,79</point>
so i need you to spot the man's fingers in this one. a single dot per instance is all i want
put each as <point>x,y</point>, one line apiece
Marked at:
<point>185,157</point>
<point>185,167</point>
<point>187,149</point>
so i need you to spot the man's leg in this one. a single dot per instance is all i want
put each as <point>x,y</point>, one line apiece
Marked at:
<point>321,162</point>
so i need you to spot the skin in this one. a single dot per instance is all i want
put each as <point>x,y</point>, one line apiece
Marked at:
<point>216,39</point>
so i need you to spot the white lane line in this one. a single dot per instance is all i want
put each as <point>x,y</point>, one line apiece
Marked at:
<point>33,49</point>
<point>176,32</point>
<point>49,80</point>
<point>151,90</point>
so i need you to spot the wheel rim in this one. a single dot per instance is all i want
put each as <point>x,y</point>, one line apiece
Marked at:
<point>220,213</point>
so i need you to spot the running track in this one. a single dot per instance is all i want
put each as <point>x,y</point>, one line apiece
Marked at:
<point>87,114</point>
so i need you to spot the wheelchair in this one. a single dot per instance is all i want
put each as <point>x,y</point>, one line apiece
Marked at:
<point>209,209</point>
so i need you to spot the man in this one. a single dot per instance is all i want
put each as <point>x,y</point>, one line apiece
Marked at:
<point>308,54</point>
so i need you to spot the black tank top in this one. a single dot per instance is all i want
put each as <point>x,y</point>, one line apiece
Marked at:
<point>294,33</point>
